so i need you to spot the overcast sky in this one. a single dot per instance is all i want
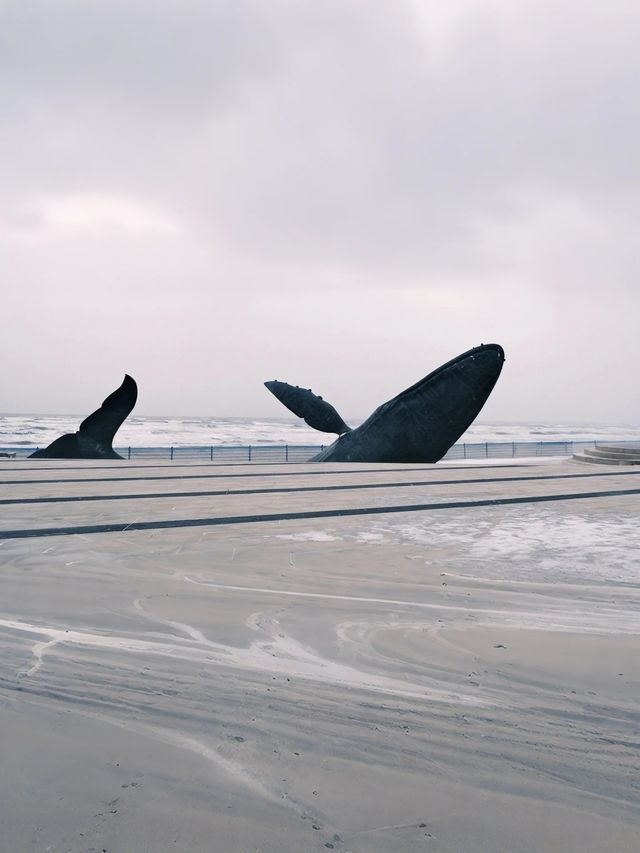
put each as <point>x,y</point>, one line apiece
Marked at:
<point>338,193</point>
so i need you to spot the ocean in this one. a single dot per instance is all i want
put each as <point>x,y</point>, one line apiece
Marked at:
<point>31,431</point>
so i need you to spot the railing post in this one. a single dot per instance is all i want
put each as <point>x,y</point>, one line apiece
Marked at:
<point>286,453</point>
<point>129,454</point>
<point>211,454</point>
<point>172,454</point>
<point>249,453</point>
<point>464,449</point>
<point>486,449</point>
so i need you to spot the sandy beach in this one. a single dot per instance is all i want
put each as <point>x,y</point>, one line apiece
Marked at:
<point>364,658</point>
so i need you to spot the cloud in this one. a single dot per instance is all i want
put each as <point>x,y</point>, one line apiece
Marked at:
<point>438,173</point>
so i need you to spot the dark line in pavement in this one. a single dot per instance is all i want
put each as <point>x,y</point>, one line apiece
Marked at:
<point>125,465</point>
<point>162,463</point>
<point>293,516</point>
<point>259,474</point>
<point>296,489</point>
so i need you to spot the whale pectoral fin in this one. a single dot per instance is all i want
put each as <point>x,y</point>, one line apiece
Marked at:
<point>102,425</point>
<point>289,395</point>
<point>314,411</point>
<point>331,422</point>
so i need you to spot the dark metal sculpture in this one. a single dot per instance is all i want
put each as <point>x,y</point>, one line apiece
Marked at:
<point>95,437</point>
<point>309,406</point>
<point>421,423</point>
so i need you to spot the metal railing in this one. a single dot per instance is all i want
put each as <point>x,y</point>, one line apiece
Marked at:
<point>278,453</point>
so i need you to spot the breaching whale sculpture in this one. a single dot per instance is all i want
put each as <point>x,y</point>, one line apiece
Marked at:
<point>309,406</point>
<point>421,423</point>
<point>94,438</point>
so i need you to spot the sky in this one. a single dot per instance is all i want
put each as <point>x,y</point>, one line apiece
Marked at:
<point>342,194</point>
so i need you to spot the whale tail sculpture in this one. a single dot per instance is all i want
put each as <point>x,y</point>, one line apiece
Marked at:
<point>309,406</point>
<point>421,423</point>
<point>95,436</point>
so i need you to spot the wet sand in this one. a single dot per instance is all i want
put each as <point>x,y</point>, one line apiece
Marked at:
<point>452,678</point>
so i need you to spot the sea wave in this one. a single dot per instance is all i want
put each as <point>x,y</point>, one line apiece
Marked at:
<point>163,431</point>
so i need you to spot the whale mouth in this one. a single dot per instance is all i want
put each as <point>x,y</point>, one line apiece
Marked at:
<point>494,350</point>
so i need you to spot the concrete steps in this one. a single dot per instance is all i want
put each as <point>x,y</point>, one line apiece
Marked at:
<point>609,455</point>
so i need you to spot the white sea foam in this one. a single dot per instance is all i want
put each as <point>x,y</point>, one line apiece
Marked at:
<point>40,430</point>
<point>137,431</point>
